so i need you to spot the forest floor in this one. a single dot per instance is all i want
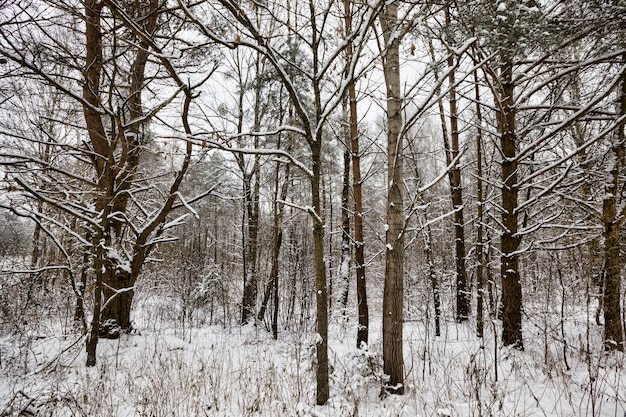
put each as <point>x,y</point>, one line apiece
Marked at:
<point>167,370</point>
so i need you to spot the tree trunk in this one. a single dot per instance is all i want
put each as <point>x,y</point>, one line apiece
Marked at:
<point>480,258</point>
<point>251,213</point>
<point>321,291</point>
<point>117,285</point>
<point>393,293</point>
<point>434,281</point>
<point>118,296</point>
<point>510,241</point>
<point>272,287</point>
<point>613,263</point>
<point>79,311</point>
<point>344,264</point>
<point>251,205</point>
<point>92,338</point>
<point>456,194</point>
<point>362,337</point>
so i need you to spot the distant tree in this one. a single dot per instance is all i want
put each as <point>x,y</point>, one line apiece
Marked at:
<point>308,80</point>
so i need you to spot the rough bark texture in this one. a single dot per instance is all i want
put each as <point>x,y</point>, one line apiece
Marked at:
<point>272,287</point>
<point>95,130</point>
<point>362,337</point>
<point>434,281</point>
<point>510,240</point>
<point>393,294</point>
<point>612,219</point>
<point>250,286</point>
<point>456,194</point>
<point>314,139</point>
<point>321,291</point>
<point>480,261</point>
<point>250,233</point>
<point>91,88</point>
<point>119,172</point>
<point>344,264</point>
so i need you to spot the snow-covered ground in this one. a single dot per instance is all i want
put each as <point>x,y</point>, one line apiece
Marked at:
<point>241,371</point>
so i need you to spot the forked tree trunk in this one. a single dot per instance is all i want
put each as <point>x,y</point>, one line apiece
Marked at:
<point>118,284</point>
<point>393,293</point>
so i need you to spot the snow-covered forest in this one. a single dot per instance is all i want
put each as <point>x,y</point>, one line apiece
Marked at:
<point>312,208</point>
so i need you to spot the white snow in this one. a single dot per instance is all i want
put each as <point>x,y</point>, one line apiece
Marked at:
<point>195,369</point>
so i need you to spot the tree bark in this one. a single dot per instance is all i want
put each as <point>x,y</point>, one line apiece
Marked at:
<point>434,281</point>
<point>321,291</point>
<point>251,203</point>
<point>456,194</point>
<point>272,287</point>
<point>480,258</point>
<point>362,337</point>
<point>510,240</point>
<point>344,264</point>
<point>393,293</point>
<point>613,219</point>
<point>118,284</point>
<point>315,139</point>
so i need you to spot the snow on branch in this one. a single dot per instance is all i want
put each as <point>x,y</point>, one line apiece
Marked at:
<point>250,151</point>
<point>573,118</point>
<point>187,206</point>
<point>575,152</point>
<point>308,209</point>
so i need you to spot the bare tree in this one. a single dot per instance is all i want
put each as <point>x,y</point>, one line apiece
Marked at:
<point>393,298</point>
<point>118,203</point>
<point>306,80</point>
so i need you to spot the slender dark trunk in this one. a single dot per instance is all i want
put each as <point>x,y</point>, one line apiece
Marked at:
<point>344,264</point>
<point>100,243</point>
<point>510,240</point>
<point>79,311</point>
<point>434,281</point>
<point>92,338</point>
<point>480,261</point>
<point>613,219</point>
<point>393,293</point>
<point>37,245</point>
<point>251,207</point>
<point>272,288</point>
<point>321,290</point>
<point>456,193</point>
<point>315,139</point>
<point>362,337</point>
